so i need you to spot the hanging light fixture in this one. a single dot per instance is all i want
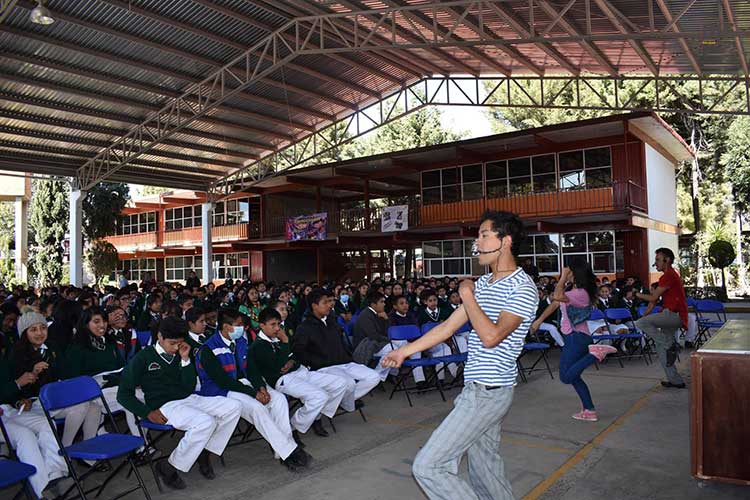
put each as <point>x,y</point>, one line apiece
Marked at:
<point>41,15</point>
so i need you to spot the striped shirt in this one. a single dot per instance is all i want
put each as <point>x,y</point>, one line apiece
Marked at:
<point>516,294</point>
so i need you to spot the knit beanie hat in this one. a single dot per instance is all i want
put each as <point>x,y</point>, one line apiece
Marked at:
<point>29,319</point>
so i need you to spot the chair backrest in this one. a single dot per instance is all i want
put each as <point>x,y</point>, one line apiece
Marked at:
<point>707,305</point>
<point>465,328</point>
<point>65,393</point>
<point>642,309</point>
<point>691,302</point>
<point>428,326</point>
<point>596,314</point>
<point>341,322</point>
<point>144,337</point>
<point>618,314</point>
<point>404,332</point>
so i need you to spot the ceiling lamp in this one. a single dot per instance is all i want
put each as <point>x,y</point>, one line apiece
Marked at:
<point>40,15</point>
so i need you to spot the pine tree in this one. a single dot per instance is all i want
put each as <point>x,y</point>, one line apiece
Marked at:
<point>101,206</point>
<point>48,219</point>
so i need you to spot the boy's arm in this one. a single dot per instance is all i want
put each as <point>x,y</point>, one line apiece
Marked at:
<point>216,372</point>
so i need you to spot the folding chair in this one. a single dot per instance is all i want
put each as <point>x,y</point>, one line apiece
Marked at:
<point>411,332</point>
<point>624,318</point>
<point>101,448</point>
<point>348,329</point>
<point>536,345</point>
<point>711,315</point>
<point>144,337</point>
<point>14,472</point>
<point>642,309</point>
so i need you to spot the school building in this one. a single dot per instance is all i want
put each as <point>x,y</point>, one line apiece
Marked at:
<point>602,189</point>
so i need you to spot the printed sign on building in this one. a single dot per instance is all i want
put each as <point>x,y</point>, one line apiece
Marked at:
<point>307,227</point>
<point>394,218</point>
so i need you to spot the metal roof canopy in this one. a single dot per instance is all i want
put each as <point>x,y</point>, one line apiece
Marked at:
<point>211,96</point>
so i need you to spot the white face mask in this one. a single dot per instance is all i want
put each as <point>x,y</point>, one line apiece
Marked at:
<point>237,332</point>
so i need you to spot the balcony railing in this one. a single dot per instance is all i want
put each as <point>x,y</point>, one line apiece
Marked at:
<point>132,242</point>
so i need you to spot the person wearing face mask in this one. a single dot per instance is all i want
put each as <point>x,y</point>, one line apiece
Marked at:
<point>224,371</point>
<point>344,305</point>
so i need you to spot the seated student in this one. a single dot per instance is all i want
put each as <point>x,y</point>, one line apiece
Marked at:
<point>167,377</point>
<point>30,434</point>
<point>454,301</point>
<point>371,334</point>
<point>126,338</point>
<point>319,344</point>
<point>319,392</point>
<point>430,312</point>
<point>224,371</point>
<point>8,334</point>
<point>185,302</point>
<point>31,355</point>
<point>442,296</point>
<point>281,307</point>
<point>252,307</point>
<point>196,321</point>
<point>93,352</point>
<point>149,318</point>
<point>401,313</point>
<point>344,306</point>
<point>548,316</point>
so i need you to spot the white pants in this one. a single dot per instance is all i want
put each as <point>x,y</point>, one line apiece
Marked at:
<point>319,393</point>
<point>110,395</point>
<point>462,341</point>
<point>692,329</point>
<point>359,379</point>
<point>208,423</point>
<point>32,438</point>
<point>554,333</point>
<point>418,372</point>
<point>443,349</point>
<point>596,324</point>
<point>84,415</point>
<point>271,420</point>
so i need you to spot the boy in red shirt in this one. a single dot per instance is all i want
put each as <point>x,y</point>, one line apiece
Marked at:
<point>661,327</point>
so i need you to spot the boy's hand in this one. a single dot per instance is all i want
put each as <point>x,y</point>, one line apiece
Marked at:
<point>184,351</point>
<point>40,367</point>
<point>157,417</point>
<point>262,396</point>
<point>287,366</point>
<point>26,379</point>
<point>282,336</point>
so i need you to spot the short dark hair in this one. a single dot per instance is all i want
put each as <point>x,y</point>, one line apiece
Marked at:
<point>181,299</point>
<point>173,328</point>
<point>268,314</point>
<point>400,298</point>
<point>666,252</point>
<point>506,224</point>
<point>228,316</point>
<point>427,293</point>
<point>374,297</point>
<point>315,296</point>
<point>193,314</point>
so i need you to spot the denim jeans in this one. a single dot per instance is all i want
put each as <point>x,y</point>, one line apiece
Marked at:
<point>574,359</point>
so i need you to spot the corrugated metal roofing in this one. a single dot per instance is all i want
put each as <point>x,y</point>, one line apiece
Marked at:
<point>104,65</point>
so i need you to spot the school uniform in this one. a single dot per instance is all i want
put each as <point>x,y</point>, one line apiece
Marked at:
<point>30,435</point>
<point>127,341</point>
<point>252,312</point>
<point>223,371</point>
<point>431,315</point>
<point>550,326</point>
<point>344,307</point>
<point>167,383</point>
<point>438,315</point>
<point>319,345</point>
<point>319,392</point>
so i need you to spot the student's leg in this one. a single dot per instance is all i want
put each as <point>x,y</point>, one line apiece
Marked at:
<point>442,349</point>
<point>574,359</point>
<point>226,412</point>
<point>279,409</point>
<point>334,386</point>
<point>661,328</point>
<point>198,427</point>
<point>692,329</point>
<point>31,447</point>
<point>367,378</point>
<point>259,415</point>
<point>110,395</point>
<point>313,399</point>
<point>554,333</point>
<point>347,402</point>
<point>86,415</point>
<point>384,371</point>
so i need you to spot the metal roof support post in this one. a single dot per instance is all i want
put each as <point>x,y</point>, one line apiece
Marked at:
<point>207,212</point>
<point>76,235</point>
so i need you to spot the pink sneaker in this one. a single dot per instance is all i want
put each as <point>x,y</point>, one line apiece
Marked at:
<point>600,351</point>
<point>588,415</point>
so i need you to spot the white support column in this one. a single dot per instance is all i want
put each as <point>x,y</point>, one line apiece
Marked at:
<point>22,238</point>
<point>76,236</point>
<point>207,213</point>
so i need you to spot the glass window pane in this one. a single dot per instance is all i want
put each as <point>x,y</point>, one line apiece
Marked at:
<point>431,178</point>
<point>169,225</point>
<point>451,193</point>
<point>143,228</point>
<point>473,191</point>
<point>527,246</point>
<point>178,224</point>
<point>601,241</point>
<point>547,243</point>
<point>543,164</point>
<point>518,167</point>
<point>472,173</point>
<point>467,247</point>
<point>545,183</point>
<point>519,185</point>
<point>497,189</point>
<point>497,170</point>
<point>431,196</point>
<point>575,242</point>
<point>453,248</point>
<point>547,263</point>
<point>571,160</point>
<point>453,266</point>
<point>603,262</point>
<point>571,180</point>
<point>450,176</point>
<point>598,157</point>
<point>600,177</point>
<point>435,268</point>
<point>568,260</point>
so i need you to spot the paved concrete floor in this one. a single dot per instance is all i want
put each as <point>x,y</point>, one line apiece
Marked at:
<point>638,450</point>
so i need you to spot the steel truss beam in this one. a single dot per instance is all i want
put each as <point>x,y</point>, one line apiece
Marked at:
<point>5,7</point>
<point>383,30</point>
<point>644,93</point>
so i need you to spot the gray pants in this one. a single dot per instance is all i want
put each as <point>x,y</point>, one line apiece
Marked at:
<point>662,327</point>
<point>473,427</point>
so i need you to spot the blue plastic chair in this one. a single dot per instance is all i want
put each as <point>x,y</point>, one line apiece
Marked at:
<point>102,448</point>
<point>618,316</point>
<point>535,346</point>
<point>13,472</point>
<point>596,315</point>
<point>428,326</point>
<point>144,337</point>
<point>710,315</point>
<point>642,309</point>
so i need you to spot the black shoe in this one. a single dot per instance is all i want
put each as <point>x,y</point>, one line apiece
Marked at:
<point>318,429</point>
<point>170,475</point>
<point>204,465</point>
<point>674,386</point>
<point>295,436</point>
<point>359,404</point>
<point>689,345</point>
<point>299,458</point>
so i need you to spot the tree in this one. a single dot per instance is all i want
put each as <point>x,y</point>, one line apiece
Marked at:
<point>721,255</point>
<point>101,206</point>
<point>102,259</point>
<point>7,235</point>
<point>48,220</point>
<point>736,159</point>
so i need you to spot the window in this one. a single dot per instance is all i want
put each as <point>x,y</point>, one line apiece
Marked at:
<point>137,268</point>
<point>596,248</point>
<point>497,179</point>
<point>520,176</point>
<point>178,268</point>
<point>585,169</point>
<point>230,212</point>
<point>450,258</point>
<point>452,184</point>
<point>544,252</point>
<point>231,265</point>
<point>136,223</point>
<point>182,218</point>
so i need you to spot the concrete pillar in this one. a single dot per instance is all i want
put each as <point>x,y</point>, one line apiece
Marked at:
<point>22,238</point>
<point>76,236</point>
<point>207,215</point>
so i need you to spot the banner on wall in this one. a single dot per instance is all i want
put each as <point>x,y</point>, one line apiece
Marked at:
<point>307,227</point>
<point>394,219</point>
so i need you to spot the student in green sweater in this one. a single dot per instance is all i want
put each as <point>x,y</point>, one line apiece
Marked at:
<point>224,370</point>
<point>167,376</point>
<point>271,354</point>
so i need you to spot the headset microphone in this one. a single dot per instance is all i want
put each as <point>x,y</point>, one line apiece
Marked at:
<point>475,252</point>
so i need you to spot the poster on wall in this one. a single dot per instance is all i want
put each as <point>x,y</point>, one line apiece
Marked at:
<point>394,219</point>
<point>307,227</point>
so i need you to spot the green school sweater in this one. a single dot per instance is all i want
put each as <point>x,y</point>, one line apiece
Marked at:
<point>81,360</point>
<point>9,391</point>
<point>160,381</point>
<point>269,362</point>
